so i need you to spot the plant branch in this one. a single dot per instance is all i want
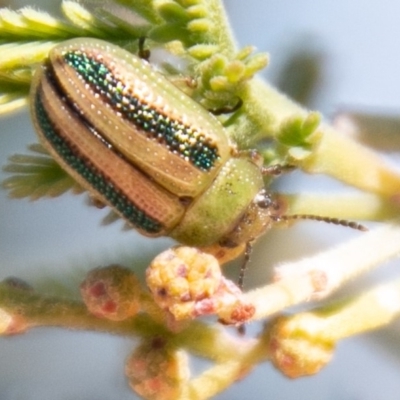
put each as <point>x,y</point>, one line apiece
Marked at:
<point>360,206</point>
<point>318,276</point>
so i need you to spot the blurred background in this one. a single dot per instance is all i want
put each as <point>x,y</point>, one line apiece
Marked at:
<point>332,56</point>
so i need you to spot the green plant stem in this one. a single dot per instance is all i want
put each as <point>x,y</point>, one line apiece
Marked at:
<point>371,310</point>
<point>318,276</point>
<point>266,108</point>
<point>341,157</point>
<point>222,375</point>
<point>213,381</point>
<point>224,34</point>
<point>9,105</point>
<point>37,310</point>
<point>360,206</point>
<point>214,342</point>
<point>335,154</point>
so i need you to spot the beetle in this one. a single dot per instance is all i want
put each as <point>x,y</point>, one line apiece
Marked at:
<point>137,143</point>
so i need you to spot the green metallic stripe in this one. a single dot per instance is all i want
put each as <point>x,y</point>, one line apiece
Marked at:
<point>177,137</point>
<point>94,178</point>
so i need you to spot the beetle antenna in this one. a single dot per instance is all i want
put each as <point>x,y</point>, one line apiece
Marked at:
<point>329,220</point>
<point>243,267</point>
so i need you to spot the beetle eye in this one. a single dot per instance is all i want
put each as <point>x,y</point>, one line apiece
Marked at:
<point>263,199</point>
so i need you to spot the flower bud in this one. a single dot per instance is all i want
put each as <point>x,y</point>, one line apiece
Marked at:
<point>17,283</point>
<point>11,324</point>
<point>297,352</point>
<point>157,372</point>
<point>183,281</point>
<point>111,292</point>
<point>188,283</point>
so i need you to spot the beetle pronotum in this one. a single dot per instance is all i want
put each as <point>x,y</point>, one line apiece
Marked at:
<point>143,147</point>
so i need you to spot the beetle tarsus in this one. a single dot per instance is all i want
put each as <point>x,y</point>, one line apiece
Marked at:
<point>227,109</point>
<point>277,169</point>
<point>243,268</point>
<point>143,53</point>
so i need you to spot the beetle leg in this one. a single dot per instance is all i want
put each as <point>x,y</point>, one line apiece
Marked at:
<point>222,253</point>
<point>143,53</point>
<point>227,109</point>
<point>241,329</point>
<point>243,267</point>
<point>96,201</point>
<point>277,169</point>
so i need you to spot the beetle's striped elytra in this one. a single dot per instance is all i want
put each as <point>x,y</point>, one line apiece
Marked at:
<point>175,139</point>
<point>142,146</point>
<point>94,164</point>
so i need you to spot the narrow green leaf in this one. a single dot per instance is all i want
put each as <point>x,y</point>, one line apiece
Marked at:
<point>144,8</point>
<point>20,55</point>
<point>37,176</point>
<point>29,24</point>
<point>174,13</point>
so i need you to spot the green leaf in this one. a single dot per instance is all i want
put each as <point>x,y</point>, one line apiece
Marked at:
<point>169,32</point>
<point>203,51</point>
<point>12,102</point>
<point>87,21</point>
<point>144,8</point>
<point>30,24</point>
<point>174,13</point>
<point>24,54</point>
<point>298,131</point>
<point>37,175</point>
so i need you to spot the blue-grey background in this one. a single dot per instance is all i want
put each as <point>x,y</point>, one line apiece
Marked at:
<point>357,43</point>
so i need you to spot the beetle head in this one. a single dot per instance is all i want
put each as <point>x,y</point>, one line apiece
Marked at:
<point>262,212</point>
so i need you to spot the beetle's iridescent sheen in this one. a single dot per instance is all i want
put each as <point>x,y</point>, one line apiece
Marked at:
<point>145,148</point>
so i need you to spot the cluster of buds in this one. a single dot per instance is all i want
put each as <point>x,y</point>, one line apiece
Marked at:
<point>185,282</point>
<point>188,283</point>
